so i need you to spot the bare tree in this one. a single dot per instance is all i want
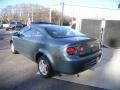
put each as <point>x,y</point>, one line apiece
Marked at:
<point>20,12</point>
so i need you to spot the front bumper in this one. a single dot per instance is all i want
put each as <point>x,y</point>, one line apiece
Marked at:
<point>73,67</point>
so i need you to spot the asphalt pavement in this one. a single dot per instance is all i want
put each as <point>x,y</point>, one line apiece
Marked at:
<point>4,39</point>
<point>19,73</point>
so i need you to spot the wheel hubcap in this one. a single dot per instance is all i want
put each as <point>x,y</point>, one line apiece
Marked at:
<point>43,67</point>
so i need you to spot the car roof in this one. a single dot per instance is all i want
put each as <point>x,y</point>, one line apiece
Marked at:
<point>44,25</point>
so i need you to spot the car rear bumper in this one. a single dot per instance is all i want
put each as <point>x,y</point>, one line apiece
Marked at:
<point>73,67</point>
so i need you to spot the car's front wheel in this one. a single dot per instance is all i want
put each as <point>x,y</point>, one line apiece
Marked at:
<point>13,48</point>
<point>44,67</point>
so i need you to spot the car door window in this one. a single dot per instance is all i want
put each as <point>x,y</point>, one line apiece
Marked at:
<point>37,33</point>
<point>31,33</point>
<point>25,31</point>
<point>28,33</point>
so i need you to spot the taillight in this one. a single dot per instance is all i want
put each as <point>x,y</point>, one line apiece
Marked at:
<point>71,51</point>
<point>81,50</point>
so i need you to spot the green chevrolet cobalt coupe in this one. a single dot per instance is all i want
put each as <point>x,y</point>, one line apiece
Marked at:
<point>56,48</point>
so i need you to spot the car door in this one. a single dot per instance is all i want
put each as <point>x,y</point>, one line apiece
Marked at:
<point>33,42</point>
<point>28,42</point>
<point>21,42</point>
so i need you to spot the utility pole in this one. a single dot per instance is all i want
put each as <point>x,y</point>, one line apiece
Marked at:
<point>50,16</point>
<point>20,15</point>
<point>103,22</point>
<point>119,5</point>
<point>62,16</point>
<point>0,16</point>
<point>32,13</point>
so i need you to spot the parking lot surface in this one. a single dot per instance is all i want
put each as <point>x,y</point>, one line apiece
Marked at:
<point>19,73</point>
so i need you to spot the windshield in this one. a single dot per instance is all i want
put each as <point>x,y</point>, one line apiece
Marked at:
<point>62,32</point>
<point>18,22</point>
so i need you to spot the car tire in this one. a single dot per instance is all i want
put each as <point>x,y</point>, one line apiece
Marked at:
<point>44,67</point>
<point>13,49</point>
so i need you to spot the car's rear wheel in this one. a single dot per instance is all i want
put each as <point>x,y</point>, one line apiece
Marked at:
<point>44,67</point>
<point>13,49</point>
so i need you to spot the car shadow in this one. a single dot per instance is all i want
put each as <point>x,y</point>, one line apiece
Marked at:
<point>107,54</point>
<point>39,83</point>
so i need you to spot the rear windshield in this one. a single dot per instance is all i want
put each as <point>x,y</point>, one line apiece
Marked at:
<point>62,32</point>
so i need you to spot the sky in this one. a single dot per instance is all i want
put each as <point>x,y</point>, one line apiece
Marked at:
<point>86,9</point>
<point>90,3</point>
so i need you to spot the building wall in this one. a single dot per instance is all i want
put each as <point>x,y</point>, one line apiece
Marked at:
<point>112,33</point>
<point>111,36</point>
<point>91,27</point>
